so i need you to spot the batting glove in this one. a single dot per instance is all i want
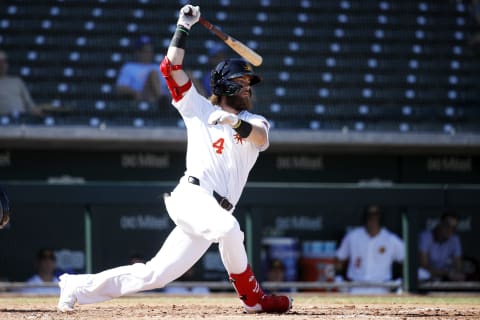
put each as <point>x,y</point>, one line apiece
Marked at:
<point>223,117</point>
<point>189,15</point>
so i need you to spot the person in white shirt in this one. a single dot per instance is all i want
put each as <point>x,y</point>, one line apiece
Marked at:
<point>45,264</point>
<point>370,252</point>
<point>15,98</point>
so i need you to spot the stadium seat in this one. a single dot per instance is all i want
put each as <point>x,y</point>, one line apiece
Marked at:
<point>366,66</point>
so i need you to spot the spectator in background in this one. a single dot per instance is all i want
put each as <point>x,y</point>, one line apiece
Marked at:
<point>45,264</point>
<point>4,209</point>
<point>15,98</point>
<point>276,271</point>
<point>140,80</point>
<point>370,252</point>
<point>136,258</point>
<point>440,251</point>
<point>216,54</point>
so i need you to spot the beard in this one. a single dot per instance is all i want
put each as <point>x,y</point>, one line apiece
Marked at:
<point>239,103</point>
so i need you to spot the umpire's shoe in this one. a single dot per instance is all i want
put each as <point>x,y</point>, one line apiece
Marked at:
<point>67,295</point>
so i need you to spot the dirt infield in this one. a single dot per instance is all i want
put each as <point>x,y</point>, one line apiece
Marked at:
<point>226,306</point>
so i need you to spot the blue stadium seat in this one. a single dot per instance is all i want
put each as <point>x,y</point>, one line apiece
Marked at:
<point>328,65</point>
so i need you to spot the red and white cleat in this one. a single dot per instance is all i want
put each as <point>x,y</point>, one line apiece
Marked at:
<point>271,304</point>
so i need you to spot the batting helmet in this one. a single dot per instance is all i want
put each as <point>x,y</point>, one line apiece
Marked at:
<point>221,77</point>
<point>4,209</point>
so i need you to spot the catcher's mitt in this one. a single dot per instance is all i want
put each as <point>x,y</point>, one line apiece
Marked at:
<point>4,209</point>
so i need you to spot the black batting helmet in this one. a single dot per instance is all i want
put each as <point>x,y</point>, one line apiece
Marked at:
<point>225,71</point>
<point>4,209</point>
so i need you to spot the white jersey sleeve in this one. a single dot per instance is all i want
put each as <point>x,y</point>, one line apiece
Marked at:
<point>194,105</point>
<point>257,120</point>
<point>343,252</point>
<point>370,258</point>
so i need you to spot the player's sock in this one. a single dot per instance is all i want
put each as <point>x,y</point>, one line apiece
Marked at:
<point>248,289</point>
<point>254,300</point>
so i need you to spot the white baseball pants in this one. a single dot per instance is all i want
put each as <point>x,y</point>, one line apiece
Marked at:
<point>200,222</point>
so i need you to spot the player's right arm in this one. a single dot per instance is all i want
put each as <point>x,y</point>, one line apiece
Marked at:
<point>177,79</point>
<point>342,255</point>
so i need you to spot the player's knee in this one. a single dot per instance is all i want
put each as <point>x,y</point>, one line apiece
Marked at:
<point>142,270</point>
<point>158,280</point>
<point>231,230</point>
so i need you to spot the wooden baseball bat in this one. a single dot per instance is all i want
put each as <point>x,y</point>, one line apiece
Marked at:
<point>240,48</point>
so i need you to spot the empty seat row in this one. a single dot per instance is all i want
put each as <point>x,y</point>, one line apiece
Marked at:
<point>363,65</point>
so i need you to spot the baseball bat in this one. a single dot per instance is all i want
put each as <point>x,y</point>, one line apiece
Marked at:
<point>237,46</point>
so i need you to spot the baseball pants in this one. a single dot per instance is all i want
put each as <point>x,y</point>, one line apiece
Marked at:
<point>200,221</point>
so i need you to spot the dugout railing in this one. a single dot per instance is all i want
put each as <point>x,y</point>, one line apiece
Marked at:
<point>258,195</point>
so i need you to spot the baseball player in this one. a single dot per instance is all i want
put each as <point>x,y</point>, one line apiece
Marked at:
<point>224,141</point>
<point>370,251</point>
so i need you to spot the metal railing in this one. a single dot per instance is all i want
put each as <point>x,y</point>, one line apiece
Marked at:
<point>19,287</point>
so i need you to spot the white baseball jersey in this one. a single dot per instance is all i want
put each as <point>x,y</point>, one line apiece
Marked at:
<point>370,258</point>
<point>216,154</point>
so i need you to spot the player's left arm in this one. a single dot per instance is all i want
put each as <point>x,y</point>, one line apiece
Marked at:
<point>259,134</point>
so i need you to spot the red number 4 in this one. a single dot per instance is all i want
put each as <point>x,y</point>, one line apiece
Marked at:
<point>218,145</point>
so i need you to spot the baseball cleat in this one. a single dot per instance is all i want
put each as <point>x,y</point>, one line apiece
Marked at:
<point>271,304</point>
<point>276,304</point>
<point>67,296</point>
